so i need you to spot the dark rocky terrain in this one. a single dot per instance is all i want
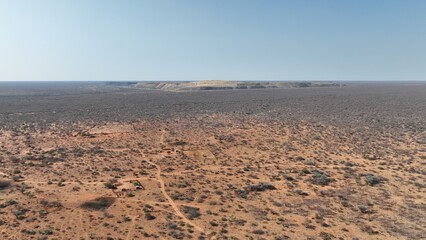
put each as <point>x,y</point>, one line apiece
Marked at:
<point>381,105</point>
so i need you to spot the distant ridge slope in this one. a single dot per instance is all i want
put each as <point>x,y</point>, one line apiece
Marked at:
<point>209,85</point>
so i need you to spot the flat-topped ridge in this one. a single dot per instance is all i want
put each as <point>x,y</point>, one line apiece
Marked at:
<point>209,85</point>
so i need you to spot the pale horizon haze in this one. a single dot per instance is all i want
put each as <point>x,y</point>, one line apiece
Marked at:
<point>231,40</point>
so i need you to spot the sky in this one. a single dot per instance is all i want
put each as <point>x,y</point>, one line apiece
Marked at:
<point>220,39</point>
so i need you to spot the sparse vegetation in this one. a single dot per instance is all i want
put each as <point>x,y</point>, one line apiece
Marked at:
<point>99,203</point>
<point>191,212</point>
<point>4,184</point>
<point>216,165</point>
<point>320,178</point>
<point>372,180</point>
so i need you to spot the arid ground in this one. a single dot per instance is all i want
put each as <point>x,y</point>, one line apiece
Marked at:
<point>88,161</point>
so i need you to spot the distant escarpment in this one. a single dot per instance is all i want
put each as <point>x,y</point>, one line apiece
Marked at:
<point>211,85</point>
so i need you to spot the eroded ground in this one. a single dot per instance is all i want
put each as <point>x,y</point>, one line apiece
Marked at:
<point>212,176</point>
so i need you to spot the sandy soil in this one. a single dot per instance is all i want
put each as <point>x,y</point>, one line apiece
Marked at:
<point>212,176</point>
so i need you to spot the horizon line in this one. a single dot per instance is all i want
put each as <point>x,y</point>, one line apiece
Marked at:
<point>191,80</point>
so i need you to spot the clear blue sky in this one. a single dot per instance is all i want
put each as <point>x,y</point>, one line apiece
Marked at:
<point>216,39</point>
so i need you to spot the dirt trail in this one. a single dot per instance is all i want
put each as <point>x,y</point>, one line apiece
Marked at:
<point>170,200</point>
<point>163,190</point>
<point>132,227</point>
<point>84,232</point>
<point>162,136</point>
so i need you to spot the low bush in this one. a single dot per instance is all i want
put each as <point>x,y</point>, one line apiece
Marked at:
<point>191,212</point>
<point>99,203</point>
<point>4,184</point>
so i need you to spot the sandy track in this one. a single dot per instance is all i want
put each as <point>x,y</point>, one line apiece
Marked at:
<point>163,190</point>
<point>170,200</point>
<point>131,228</point>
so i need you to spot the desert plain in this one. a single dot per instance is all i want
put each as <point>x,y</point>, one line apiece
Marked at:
<point>108,161</point>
